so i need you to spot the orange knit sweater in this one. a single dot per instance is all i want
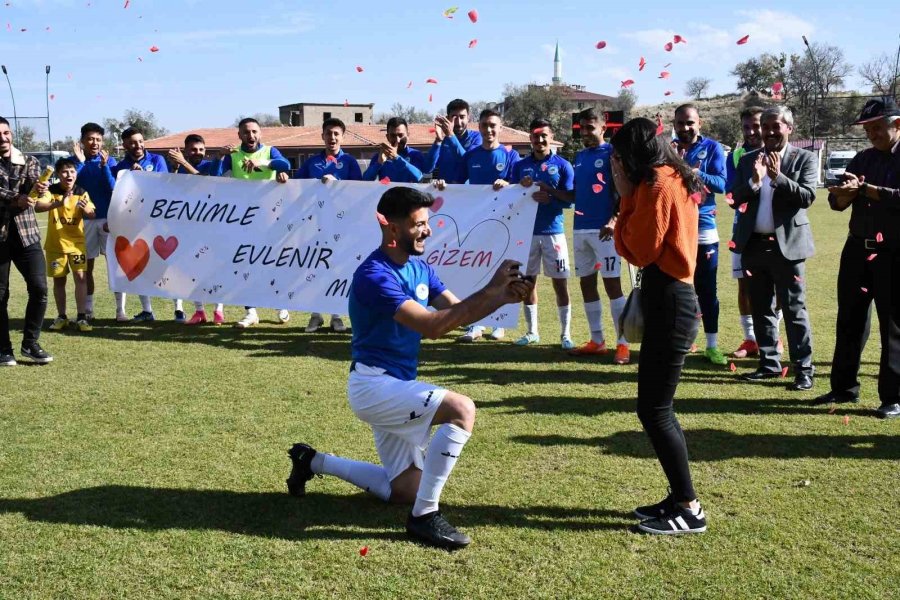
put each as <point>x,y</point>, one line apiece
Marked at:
<point>658,224</point>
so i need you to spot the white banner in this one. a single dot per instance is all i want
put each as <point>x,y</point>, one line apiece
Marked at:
<point>296,245</point>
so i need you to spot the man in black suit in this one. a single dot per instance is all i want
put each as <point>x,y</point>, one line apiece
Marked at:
<point>774,186</point>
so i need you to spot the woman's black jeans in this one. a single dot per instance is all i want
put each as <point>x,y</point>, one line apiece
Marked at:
<point>671,322</point>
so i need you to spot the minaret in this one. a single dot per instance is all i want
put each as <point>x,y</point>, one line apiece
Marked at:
<point>557,67</point>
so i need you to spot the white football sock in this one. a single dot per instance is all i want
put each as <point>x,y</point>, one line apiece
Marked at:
<point>145,304</point>
<point>616,307</point>
<point>219,307</point>
<point>366,476</point>
<point>179,304</point>
<point>565,320</point>
<point>747,326</point>
<point>531,318</point>
<point>120,303</point>
<point>252,312</point>
<point>198,306</point>
<point>779,316</point>
<point>445,447</point>
<point>594,313</point>
<point>712,340</point>
<point>89,303</point>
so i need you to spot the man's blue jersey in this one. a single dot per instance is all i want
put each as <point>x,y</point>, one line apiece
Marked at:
<point>594,206</point>
<point>206,167</point>
<point>710,157</point>
<point>342,166</point>
<point>149,162</point>
<point>447,156</point>
<point>556,172</point>
<point>379,287</point>
<point>97,181</point>
<point>408,167</point>
<point>483,167</point>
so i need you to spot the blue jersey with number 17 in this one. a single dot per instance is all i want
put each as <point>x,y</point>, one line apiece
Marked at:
<point>379,287</point>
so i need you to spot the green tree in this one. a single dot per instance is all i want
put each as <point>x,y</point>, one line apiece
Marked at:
<point>27,140</point>
<point>143,120</point>
<point>626,99</point>
<point>759,73</point>
<point>524,103</point>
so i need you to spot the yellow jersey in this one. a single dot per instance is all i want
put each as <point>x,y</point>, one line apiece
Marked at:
<point>65,224</point>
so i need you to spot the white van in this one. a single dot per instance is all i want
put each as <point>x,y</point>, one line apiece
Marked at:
<point>836,165</point>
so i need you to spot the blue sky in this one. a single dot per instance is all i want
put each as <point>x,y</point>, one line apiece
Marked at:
<point>219,59</point>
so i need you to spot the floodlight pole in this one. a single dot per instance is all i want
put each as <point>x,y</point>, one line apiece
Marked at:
<point>47,97</point>
<point>11,95</point>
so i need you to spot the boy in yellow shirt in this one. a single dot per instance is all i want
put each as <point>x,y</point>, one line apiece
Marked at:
<point>68,206</point>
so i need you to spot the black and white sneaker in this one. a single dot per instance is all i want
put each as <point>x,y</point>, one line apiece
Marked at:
<point>432,529</point>
<point>660,509</point>
<point>7,359</point>
<point>301,471</point>
<point>36,354</point>
<point>679,521</point>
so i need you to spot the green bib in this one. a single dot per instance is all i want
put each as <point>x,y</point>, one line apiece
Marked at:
<point>263,154</point>
<point>735,155</point>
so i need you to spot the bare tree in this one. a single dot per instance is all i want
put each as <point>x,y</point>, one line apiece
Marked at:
<point>410,113</point>
<point>264,119</point>
<point>879,73</point>
<point>625,100</point>
<point>697,87</point>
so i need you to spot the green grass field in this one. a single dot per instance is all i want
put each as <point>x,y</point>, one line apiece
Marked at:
<point>148,461</point>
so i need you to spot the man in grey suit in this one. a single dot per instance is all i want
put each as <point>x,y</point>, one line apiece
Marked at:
<point>773,188</point>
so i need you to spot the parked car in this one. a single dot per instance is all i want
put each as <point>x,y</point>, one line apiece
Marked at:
<point>836,164</point>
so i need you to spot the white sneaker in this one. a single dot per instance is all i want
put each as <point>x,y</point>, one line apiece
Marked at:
<point>315,321</point>
<point>337,325</point>
<point>249,320</point>
<point>284,316</point>
<point>474,332</point>
<point>122,317</point>
<point>497,333</point>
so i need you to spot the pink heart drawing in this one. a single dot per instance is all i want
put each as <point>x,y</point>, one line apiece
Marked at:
<point>459,262</point>
<point>438,203</point>
<point>165,246</point>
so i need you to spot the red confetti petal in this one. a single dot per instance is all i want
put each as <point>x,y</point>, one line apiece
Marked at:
<point>743,40</point>
<point>732,245</point>
<point>679,40</point>
<point>557,247</point>
<point>364,550</point>
<point>330,158</point>
<point>597,266</point>
<point>431,80</point>
<point>667,65</point>
<point>601,45</point>
<point>742,208</point>
<point>864,290</point>
<point>871,257</point>
<point>641,64</point>
<point>732,367</point>
<point>393,244</point>
<point>668,47</point>
<point>579,213</point>
<point>440,223</point>
<point>846,419</point>
<point>784,372</point>
<point>777,87</point>
<point>798,279</point>
<point>749,274</point>
<point>380,218</point>
<point>597,188</point>
<point>879,238</point>
<point>154,49</point>
<point>473,43</point>
<point>697,197</point>
<point>668,93</point>
<point>359,69</point>
<point>68,76</point>
<point>628,83</point>
<point>127,2</point>
<point>430,97</point>
<point>729,199</point>
<point>519,243</point>
<point>140,59</point>
<point>600,178</point>
<point>346,102</point>
<point>664,75</point>
<point>384,180</point>
<point>409,85</point>
<point>431,130</point>
<point>473,15</point>
<point>53,96</point>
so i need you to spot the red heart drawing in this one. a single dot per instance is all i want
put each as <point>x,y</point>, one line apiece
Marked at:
<point>133,258</point>
<point>165,247</point>
<point>438,203</point>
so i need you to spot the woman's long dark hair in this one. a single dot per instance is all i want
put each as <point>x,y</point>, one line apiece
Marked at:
<point>642,150</point>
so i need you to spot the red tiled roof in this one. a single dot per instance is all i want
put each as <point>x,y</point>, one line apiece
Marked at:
<point>287,138</point>
<point>573,94</point>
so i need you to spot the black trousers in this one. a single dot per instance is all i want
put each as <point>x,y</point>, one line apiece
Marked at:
<point>860,281</point>
<point>671,322</point>
<point>29,260</point>
<point>770,270</point>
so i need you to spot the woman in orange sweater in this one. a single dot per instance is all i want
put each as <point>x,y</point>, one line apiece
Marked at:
<point>657,230</point>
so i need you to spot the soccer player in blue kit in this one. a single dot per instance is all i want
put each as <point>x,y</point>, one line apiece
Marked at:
<point>389,296</point>
<point>452,139</point>
<point>396,160</point>
<point>488,164</point>
<point>548,242</point>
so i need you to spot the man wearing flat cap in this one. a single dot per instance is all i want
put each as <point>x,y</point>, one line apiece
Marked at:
<point>870,261</point>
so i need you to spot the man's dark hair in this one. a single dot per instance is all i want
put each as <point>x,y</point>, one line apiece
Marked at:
<point>4,122</point>
<point>63,163</point>
<point>539,124</point>
<point>395,122</point>
<point>687,106</point>
<point>588,115</point>
<point>487,114</point>
<point>751,111</point>
<point>92,128</point>
<point>399,202</point>
<point>246,120</point>
<point>333,122</point>
<point>458,104</point>
<point>641,150</point>
<point>194,138</point>
<point>130,132</point>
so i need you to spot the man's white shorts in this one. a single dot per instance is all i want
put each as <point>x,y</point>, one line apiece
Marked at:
<point>551,250</point>
<point>595,255</point>
<point>95,237</point>
<point>399,413</point>
<point>737,271</point>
